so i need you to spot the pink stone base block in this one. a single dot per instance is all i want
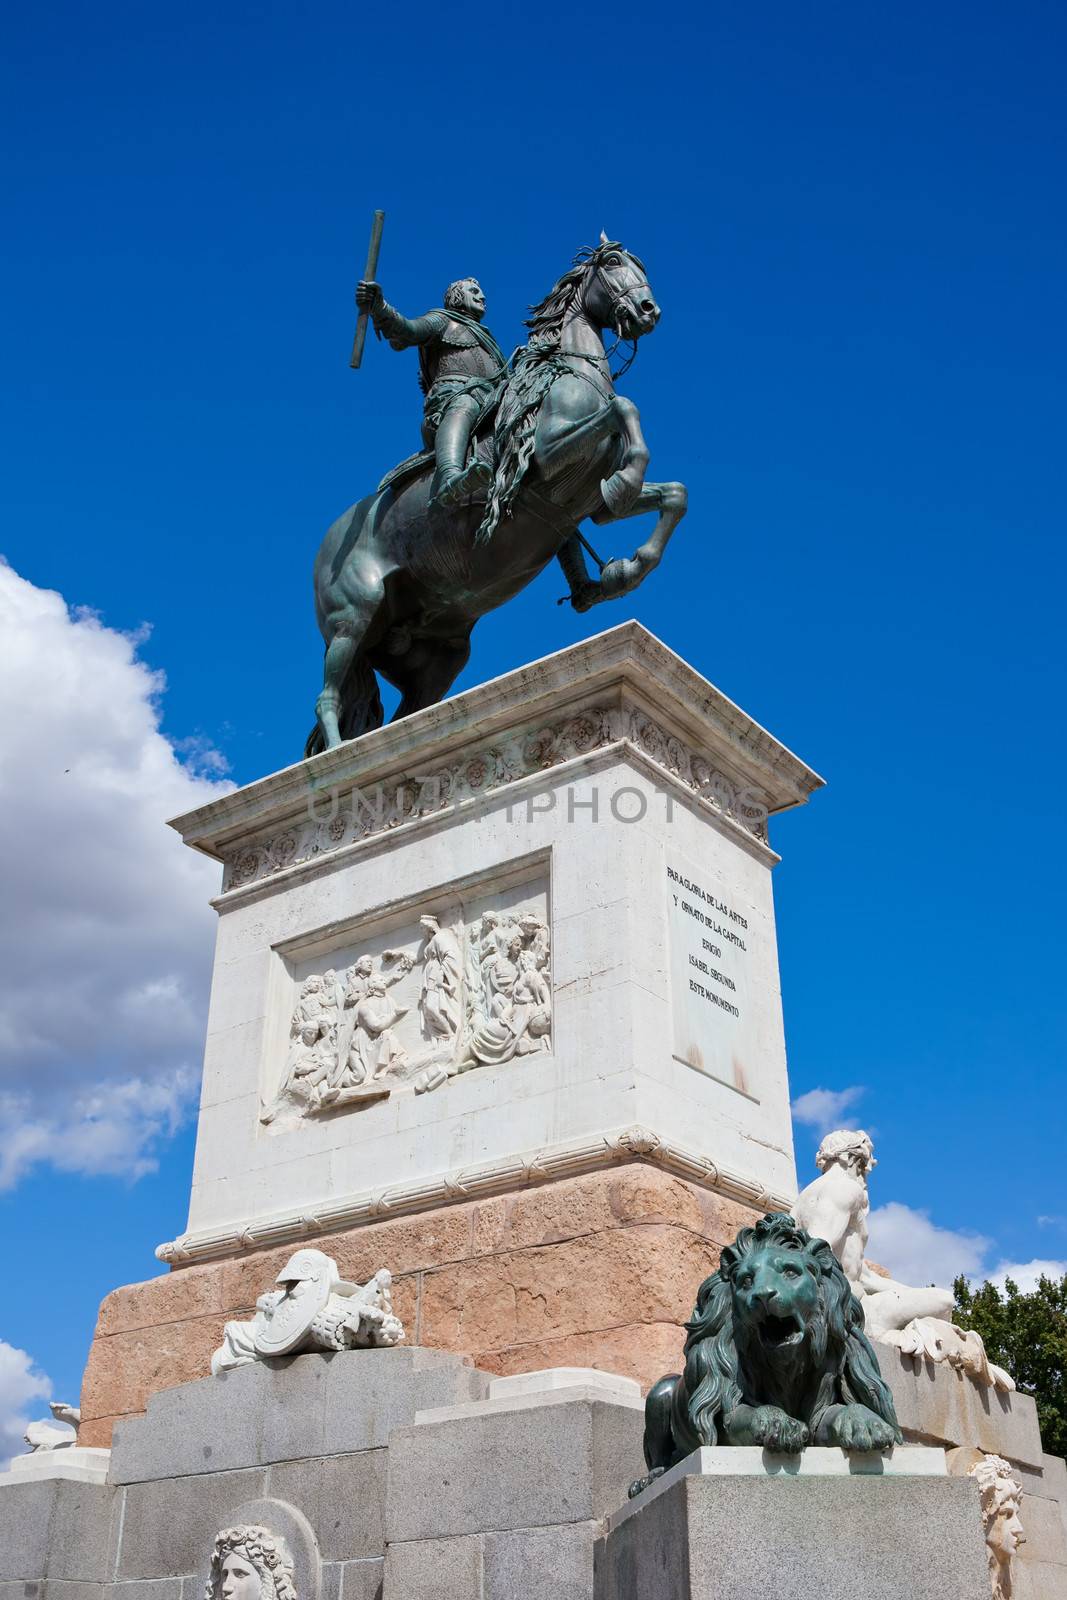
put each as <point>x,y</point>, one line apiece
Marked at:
<point>599,1271</point>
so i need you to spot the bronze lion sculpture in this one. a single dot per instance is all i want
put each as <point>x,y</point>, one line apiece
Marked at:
<point>775,1355</point>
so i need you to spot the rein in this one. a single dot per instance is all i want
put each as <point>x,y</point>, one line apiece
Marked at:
<point>615,295</point>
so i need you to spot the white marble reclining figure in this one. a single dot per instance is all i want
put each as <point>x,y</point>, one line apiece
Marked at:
<point>41,1436</point>
<point>917,1321</point>
<point>314,1309</point>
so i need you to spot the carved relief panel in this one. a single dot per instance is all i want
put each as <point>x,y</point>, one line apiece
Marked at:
<point>468,984</point>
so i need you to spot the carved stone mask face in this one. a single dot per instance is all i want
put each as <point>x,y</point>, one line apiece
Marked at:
<point>1005,1533</point>
<point>240,1580</point>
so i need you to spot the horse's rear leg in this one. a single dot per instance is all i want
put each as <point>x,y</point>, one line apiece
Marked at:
<point>431,670</point>
<point>343,681</point>
<point>340,656</point>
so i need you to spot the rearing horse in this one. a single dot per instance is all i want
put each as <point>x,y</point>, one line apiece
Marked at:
<point>399,584</point>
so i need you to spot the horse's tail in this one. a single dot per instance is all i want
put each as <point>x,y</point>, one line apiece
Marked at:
<point>516,428</point>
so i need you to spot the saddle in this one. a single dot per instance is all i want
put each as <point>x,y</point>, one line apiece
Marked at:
<point>424,460</point>
<point>411,467</point>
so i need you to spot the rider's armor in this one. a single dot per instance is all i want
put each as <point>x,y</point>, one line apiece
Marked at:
<point>461,368</point>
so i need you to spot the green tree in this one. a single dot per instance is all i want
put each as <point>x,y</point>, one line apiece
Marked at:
<point>1027,1334</point>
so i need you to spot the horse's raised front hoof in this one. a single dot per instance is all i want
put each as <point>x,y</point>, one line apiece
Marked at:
<point>586,595</point>
<point>620,576</point>
<point>619,492</point>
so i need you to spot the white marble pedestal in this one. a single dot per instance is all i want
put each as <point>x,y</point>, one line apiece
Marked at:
<point>618,803</point>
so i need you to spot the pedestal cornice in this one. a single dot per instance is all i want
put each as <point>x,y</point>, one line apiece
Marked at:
<point>475,1183</point>
<point>623,687</point>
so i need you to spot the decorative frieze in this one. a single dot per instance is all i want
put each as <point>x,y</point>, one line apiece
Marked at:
<point>475,993</point>
<point>338,817</point>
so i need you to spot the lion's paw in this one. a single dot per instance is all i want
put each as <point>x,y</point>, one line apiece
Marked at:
<point>774,1430</point>
<point>642,1483</point>
<point>857,1428</point>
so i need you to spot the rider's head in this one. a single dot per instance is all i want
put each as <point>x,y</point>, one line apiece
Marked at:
<point>466,295</point>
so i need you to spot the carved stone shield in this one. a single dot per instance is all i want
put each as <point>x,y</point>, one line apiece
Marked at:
<point>281,1330</point>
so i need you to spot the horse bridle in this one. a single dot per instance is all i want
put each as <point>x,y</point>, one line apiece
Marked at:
<point>615,295</point>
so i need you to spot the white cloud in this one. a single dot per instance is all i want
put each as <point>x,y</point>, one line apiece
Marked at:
<point>824,1109</point>
<point>20,1385</point>
<point>106,937</point>
<point>1024,1274</point>
<point>916,1251</point>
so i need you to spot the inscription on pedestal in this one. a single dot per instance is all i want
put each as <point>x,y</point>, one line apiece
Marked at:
<point>709,956</point>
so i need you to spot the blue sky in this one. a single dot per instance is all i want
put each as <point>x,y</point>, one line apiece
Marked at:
<point>853,221</point>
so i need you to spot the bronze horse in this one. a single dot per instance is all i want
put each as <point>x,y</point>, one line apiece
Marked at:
<point>400,584</point>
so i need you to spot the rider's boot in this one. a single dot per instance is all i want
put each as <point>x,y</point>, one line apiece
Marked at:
<point>453,481</point>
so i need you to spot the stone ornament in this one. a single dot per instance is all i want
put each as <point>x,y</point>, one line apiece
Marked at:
<point>916,1321</point>
<point>775,1356</point>
<point>481,995</point>
<point>573,1159</point>
<point>346,819</point>
<point>313,1309</point>
<point>250,1563</point>
<point>1001,1496</point>
<point>41,1436</point>
<point>507,996</point>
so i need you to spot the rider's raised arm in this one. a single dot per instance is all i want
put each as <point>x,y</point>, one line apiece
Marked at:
<point>402,331</point>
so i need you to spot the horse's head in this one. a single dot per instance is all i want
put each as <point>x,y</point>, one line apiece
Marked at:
<point>605,284</point>
<point>616,293</point>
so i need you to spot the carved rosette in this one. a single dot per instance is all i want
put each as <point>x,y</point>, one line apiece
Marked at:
<point>338,818</point>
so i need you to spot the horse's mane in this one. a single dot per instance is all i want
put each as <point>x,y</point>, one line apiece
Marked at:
<point>548,316</point>
<point>534,368</point>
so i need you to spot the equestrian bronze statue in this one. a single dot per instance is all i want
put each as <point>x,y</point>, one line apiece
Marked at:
<point>516,458</point>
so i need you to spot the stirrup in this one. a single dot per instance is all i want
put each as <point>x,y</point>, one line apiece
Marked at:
<point>462,485</point>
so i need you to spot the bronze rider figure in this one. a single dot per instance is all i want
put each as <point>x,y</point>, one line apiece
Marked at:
<point>461,370</point>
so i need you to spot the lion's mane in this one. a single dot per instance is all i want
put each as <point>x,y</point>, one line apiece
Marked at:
<point>725,1365</point>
